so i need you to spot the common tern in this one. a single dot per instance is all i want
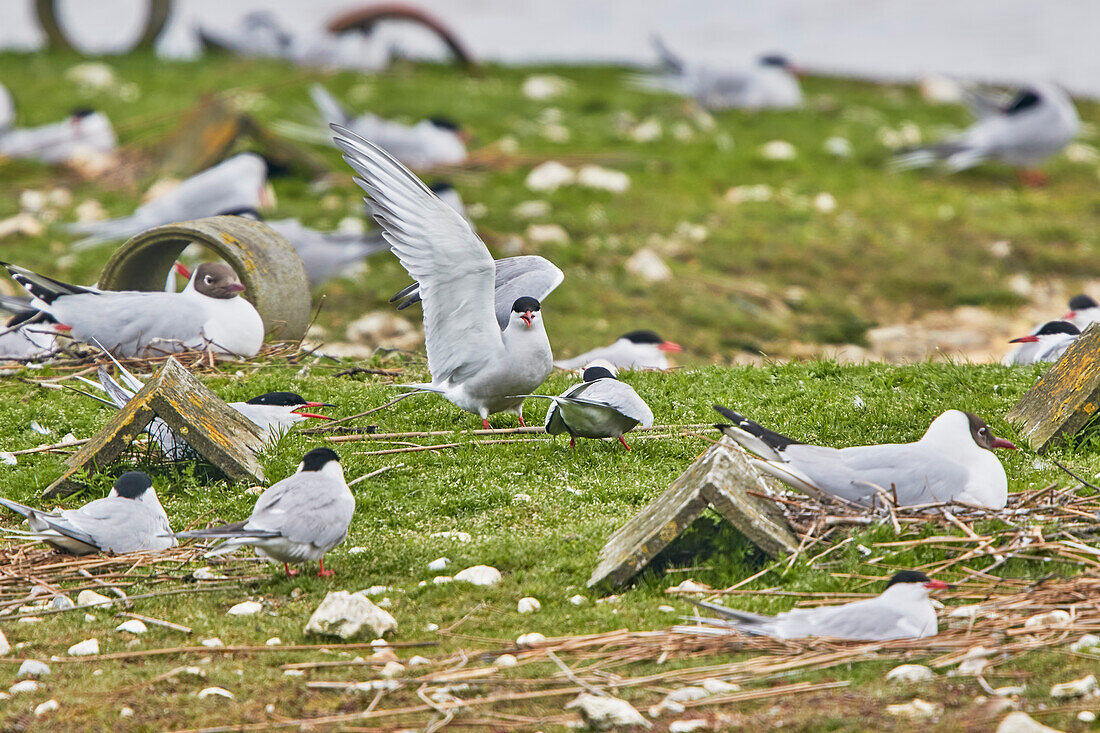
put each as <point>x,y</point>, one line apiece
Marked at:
<point>1046,344</point>
<point>1039,122</point>
<point>129,519</point>
<point>84,130</point>
<point>599,407</point>
<point>953,461</point>
<point>296,520</point>
<point>236,183</point>
<point>769,83</point>
<point>472,362</point>
<point>208,313</point>
<point>1083,311</point>
<point>902,611</point>
<point>633,350</point>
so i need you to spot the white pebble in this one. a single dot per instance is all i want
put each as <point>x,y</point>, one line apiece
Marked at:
<point>212,691</point>
<point>1086,642</point>
<point>24,686</point>
<point>544,86</point>
<point>1050,618</point>
<point>605,179</point>
<point>825,203</point>
<point>293,673</point>
<point>392,669</point>
<point>134,626</point>
<point>376,643</point>
<point>442,579</point>
<point>5,647</point>
<point>647,265</point>
<point>212,642</point>
<point>910,673</point>
<point>530,639</point>
<point>432,627</point>
<point>61,603</point>
<point>33,668</point>
<point>521,499</point>
<point>686,726</point>
<point>528,605</point>
<point>505,660</point>
<point>687,694</point>
<point>207,574</point>
<point>666,609</point>
<point>125,712</point>
<point>838,146</point>
<point>245,608</point>
<point>915,709</point>
<point>547,234</point>
<point>462,537</point>
<point>89,618</point>
<point>719,687</point>
<point>86,648</point>
<point>418,661</point>
<point>778,150</point>
<point>91,598</point>
<point>578,600</point>
<point>1086,716</point>
<point>194,671</point>
<point>479,575</point>
<point>47,707</point>
<point>535,209</point>
<point>549,176</point>
<point>273,641</point>
<point>439,563</point>
<point>1084,687</point>
<point>376,590</point>
<point>357,550</point>
<point>690,586</point>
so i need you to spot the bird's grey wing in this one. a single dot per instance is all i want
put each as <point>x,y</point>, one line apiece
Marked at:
<point>526,275</point>
<point>869,619</point>
<point>327,105</point>
<point>114,524</point>
<point>130,320</point>
<point>732,613</point>
<point>17,507</point>
<point>669,59</point>
<point>617,395</point>
<point>440,250</point>
<point>304,508</point>
<point>119,395</point>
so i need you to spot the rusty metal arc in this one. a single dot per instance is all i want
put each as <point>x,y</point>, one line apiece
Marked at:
<point>57,40</point>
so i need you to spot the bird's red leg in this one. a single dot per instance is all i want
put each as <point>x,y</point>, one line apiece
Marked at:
<point>322,573</point>
<point>1033,178</point>
<point>522,424</point>
<point>624,443</point>
<point>485,423</point>
<point>289,572</point>
<point>572,442</point>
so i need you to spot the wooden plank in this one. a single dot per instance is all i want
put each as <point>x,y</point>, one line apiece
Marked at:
<point>1065,398</point>
<point>759,519</point>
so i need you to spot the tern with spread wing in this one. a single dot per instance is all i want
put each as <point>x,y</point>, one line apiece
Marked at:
<point>599,407</point>
<point>1048,343</point>
<point>296,520</point>
<point>953,461</point>
<point>129,519</point>
<point>208,313</point>
<point>902,611</point>
<point>473,362</point>
<point>633,350</point>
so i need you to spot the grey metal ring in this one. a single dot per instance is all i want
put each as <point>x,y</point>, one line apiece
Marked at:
<point>270,269</point>
<point>56,40</point>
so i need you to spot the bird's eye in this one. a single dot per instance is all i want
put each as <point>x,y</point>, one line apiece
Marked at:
<point>208,279</point>
<point>982,431</point>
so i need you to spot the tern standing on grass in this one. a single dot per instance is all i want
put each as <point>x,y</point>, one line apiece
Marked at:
<point>472,361</point>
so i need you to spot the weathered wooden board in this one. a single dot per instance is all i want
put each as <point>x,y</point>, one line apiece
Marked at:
<point>721,477</point>
<point>215,430</point>
<point>1065,398</point>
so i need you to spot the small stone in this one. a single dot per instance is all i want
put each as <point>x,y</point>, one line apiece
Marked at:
<point>1081,153</point>
<point>379,643</point>
<point>1084,687</point>
<point>778,150</point>
<point>649,130</point>
<point>134,626</point>
<point>125,712</point>
<point>605,179</point>
<point>540,87</point>
<point>245,608</point>
<point>838,146</point>
<point>1086,716</point>
<point>648,265</point>
<point>531,210</point>
<point>207,574</point>
<point>1023,723</point>
<point>30,619</point>
<point>381,329</point>
<point>603,713</point>
<point>348,615</point>
<point>94,75</point>
<point>666,609</point>
<point>33,668</point>
<point>86,648</point>
<point>1050,618</point>
<point>974,661</point>
<point>528,605</point>
<point>666,707</point>
<point>212,643</point>
<point>24,686</point>
<point>505,660</point>
<point>462,537</point>
<point>530,639</point>
<point>5,647</point>
<point>1009,690</point>
<point>910,673</point>
<point>521,499</point>
<point>214,692</point>
<point>90,210</point>
<point>1086,642</point>
<point>351,225</point>
<point>916,709</point>
<point>442,579</point>
<point>47,707</point>
<point>967,612</point>
<point>90,618</point>
<point>419,661</point>
<point>377,590</point>
<point>719,687</point>
<point>194,671</point>
<point>825,203</point>
<point>757,193</point>
<point>686,726</point>
<point>61,603</point>
<point>91,598</point>
<point>687,694</point>
<point>432,627</point>
<point>483,575</point>
<point>578,600</point>
<point>689,586</point>
<point>273,641</point>
<point>392,669</point>
<point>357,550</point>
<point>549,176</point>
<point>293,673</point>
<point>439,563</point>
<point>547,234</point>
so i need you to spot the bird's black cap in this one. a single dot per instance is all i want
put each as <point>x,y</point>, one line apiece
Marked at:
<point>279,399</point>
<point>643,337</point>
<point>775,59</point>
<point>908,576</point>
<point>1025,100</point>
<point>526,303</point>
<point>81,112</point>
<point>444,122</point>
<point>1051,327</point>
<point>1082,302</point>
<point>318,458</point>
<point>591,374</point>
<point>441,187</point>
<point>132,484</point>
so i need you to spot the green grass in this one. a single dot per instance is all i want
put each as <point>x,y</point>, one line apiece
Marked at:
<point>898,244</point>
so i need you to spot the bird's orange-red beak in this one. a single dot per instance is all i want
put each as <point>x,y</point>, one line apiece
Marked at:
<point>314,415</point>
<point>1002,443</point>
<point>670,346</point>
<point>936,585</point>
<point>182,270</point>
<point>1069,316</point>
<point>527,317</point>
<point>1024,340</point>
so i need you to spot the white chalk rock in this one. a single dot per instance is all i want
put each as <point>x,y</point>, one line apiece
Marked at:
<point>666,609</point>
<point>47,707</point>
<point>418,661</point>
<point>547,234</point>
<point>578,600</point>
<point>531,209</point>
<point>825,203</point>
<point>348,615</point>
<point>61,603</point>
<point>33,668</point>
<point>246,608</point>
<point>665,707</point>
<point>916,709</point>
<point>479,575</point>
<point>24,686</point>
<point>392,669</point>
<point>505,660</point>
<point>1086,716</point>
<point>462,537</point>
<point>603,713</point>
<point>90,618</point>
<point>293,673</point>
<point>1084,687</point>
<point>530,639</point>
<point>648,265</point>
<point>528,605</point>
<point>91,598</point>
<point>757,193</point>
<point>521,498</point>
<point>212,643</point>
<point>605,179</point>
<point>687,694</point>
<point>649,130</point>
<point>838,146</point>
<point>438,564</point>
<point>549,176</point>
<point>1023,723</point>
<point>95,75</point>
<point>690,586</point>
<point>125,712</point>
<point>376,590</point>
<point>686,726</point>
<point>910,673</point>
<point>273,641</point>
<point>778,150</point>
<point>86,648</point>
<point>207,574</point>
<point>544,86</point>
<point>966,612</point>
<point>214,692</point>
<point>719,687</point>
<point>1086,642</point>
<point>442,579</point>
<point>90,210</point>
<point>5,647</point>
<point>134,626</point>
<point>1057,617</point>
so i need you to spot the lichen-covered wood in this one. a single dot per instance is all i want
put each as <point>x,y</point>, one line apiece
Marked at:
<point>721,478</point>
<point>1065,398</point>
<point>215,430</point>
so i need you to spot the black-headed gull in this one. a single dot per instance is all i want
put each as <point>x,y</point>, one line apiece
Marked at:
<point>1036,124</point>
<point>1048,343</point>
<point>902,611</point>
<point>208,313</point>
<point>84,130</point>
<point>296,520</point>
<point>599,407</point>
<point>472,362</point>
<point>129,519</point>
<point>953,461</point>
<point>642,349</point>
